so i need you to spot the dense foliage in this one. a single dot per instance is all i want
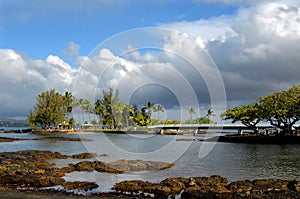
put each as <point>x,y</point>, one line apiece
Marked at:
<point>52,109</point>
<point>281,109</point>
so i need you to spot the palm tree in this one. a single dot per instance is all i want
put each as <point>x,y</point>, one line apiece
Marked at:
<point>127,111</point>
<point>99,109</point>
<point>158,108</point>
<point>149,108</point>
<point>192,111</point>
<point>83,104</point>
<point>89,109</point>
<point>209,114</point>
<point>68,100</point>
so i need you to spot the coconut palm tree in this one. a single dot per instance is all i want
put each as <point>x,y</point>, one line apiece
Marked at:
<point>126,114</point>
<point>89,109</point>
<point>192,111</point>
<point>83,104</point>
<point>149,107</point>
<point>209,114</point>
<point>68,101</point>
<point>158,108</point>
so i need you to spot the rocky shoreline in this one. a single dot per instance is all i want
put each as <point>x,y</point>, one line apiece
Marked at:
<point>54,194</point>
<point>212,187</point>
<point>30,171</point>
<point>216,187</point>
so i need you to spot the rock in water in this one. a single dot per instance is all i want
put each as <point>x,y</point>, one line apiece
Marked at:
<point>139,165</point>
<point>80,185</point>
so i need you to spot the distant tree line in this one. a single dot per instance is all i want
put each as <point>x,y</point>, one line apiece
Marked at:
<point>53,109</point>
<point>280,109</point>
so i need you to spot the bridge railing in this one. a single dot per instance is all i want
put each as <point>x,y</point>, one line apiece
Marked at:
<point>176,126</point>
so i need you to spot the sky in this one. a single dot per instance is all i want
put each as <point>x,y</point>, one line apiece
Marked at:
<point>207,54</point>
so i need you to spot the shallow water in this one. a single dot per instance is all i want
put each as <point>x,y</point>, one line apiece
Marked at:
<point>191,158</point>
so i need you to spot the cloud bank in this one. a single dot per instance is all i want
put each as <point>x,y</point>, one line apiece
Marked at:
<point>21,80</point>
<point>256,49</point>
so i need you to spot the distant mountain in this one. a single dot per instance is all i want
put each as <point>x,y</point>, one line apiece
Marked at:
<point>13,123</point>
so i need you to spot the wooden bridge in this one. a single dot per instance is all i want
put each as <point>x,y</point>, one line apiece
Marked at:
<point>197,127</point>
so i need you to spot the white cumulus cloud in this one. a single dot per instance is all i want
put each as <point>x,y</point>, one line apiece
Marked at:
<point>21,80</point>
<point>256,49</point>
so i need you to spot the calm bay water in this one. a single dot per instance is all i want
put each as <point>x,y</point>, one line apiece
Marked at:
<point>191,158</point>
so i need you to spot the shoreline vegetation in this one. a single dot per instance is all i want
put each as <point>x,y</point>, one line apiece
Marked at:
<point>51,114</point>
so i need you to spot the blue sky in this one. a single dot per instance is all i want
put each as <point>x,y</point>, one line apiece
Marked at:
<point>205,53</point>
<point>40,28</point>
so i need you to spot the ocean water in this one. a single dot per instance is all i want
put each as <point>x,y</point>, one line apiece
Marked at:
<point>191,158</point>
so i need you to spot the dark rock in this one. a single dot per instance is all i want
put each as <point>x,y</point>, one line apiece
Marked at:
<point>27,130</point>
<point>134,186</point>
<point>256,139</point>
<point>84,156</point>
<point>6,139</point>
<point>85,166</point>
<point>80,185</point>
<point>186,139</point>
<point>240,186</point>
<point>102,167</point>
<point>54,139</point>
<point>138,165</point>
<point>161,192</point>
<point>176,185</point>
<point>26,177</point>
<point>198,193</point>
<point>40,164</point>
<point>70,168</point>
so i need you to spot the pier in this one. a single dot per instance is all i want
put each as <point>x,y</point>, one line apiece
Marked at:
<point>197,127</point>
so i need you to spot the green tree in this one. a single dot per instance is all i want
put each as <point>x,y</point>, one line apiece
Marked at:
<point>83,105</point>
<point>282,109</point>
<point>148,109</point>
<point>127,115</point>
<point>71,123</point>
<point>100,110</point>
<point>203,120</point>
<point>89,109</point>
<point>140,118</point>
<point>117,110</point>
<point>172,122</point>
<point>209,114</point>
<point>250,115</point>
<point>110,109</point>
<point>108,118</point>
<point>158,108</point>
<point>48,110</point>
<point>192,111</point>
<point>31,119</point>
<point>68,101</point>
